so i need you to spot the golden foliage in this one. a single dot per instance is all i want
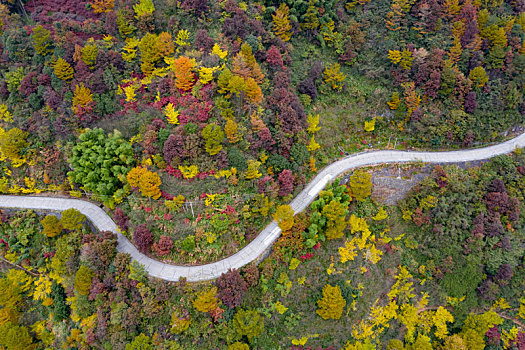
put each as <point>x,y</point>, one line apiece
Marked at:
<point>147,181</point>
<point>253,91</point>
<point>479,76</point>
<point>219,52</point>
<point>394,101</point>
<point>102,6</point>
<point>332,303</point>
<point>313,123</point>
<point>281,22</point>
<point>82,99</point>
<point>206,301</point>
<point>63,70</point>
<point>189,172</point>
<point>284,217</point>
<point>253,170</point>
<point>171,114</point>
<point>232,132</point>
<point>333,76</point>
<point>165,44</point>
<point>12,142</point>
<point>89,54</point>
<point>144,8</point>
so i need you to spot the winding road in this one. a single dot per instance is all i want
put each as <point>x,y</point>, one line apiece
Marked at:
<point>265,239</point>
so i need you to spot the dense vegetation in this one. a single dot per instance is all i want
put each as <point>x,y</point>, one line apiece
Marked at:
<point>350,273</point>
<point>195,122</point>
<point>213,113</point>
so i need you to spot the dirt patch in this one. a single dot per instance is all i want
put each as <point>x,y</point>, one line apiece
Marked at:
<point>392,183</point>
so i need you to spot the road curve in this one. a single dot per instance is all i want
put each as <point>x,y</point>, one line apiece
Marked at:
<point>265,239</point>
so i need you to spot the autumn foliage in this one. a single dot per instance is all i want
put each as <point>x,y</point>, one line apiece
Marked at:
<point>332,303</point>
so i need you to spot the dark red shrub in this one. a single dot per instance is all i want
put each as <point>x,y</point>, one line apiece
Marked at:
<point>231,288</point>
<point>143,238</point>
<point>251,275</point>
<point>274,58</point>
<point>203,40</point>
<point>173,147</point>
<point>163,246</point>
<point>285,182</point>
<point>197,6</point>
<point>121,219</point>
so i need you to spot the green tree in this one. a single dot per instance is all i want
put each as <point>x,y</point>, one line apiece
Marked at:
<point>12,142</point>
<point>72,219</point>
<point>83,279</point>
<point>15,337</point>
<point>249,323</point>
<point>60,308</point>
<point>100,162</point>
<point>360,185</point>
<point>141,342</point>
<point>42,40</point>
<point>213,136</point>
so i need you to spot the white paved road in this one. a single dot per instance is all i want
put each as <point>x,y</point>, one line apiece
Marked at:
<point>267,236</point>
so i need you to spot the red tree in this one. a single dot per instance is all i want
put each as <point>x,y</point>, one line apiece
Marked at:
<point>231,288</point>
<point>143,238</point>
<point>121,219</point>
<point>285,182</point>
<point>274,58</point>
<point>163,246</point>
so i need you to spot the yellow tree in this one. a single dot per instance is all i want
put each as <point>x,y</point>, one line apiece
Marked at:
<point>165,44</point>
<point>102,6</point>
<point>311,19</point>
<point>360,185</point>
<point>171,114</point>
<point>149,53</point>
<point>214,136</point>
<point>455,51</point>
<point>12,142</point>
<point>312,145</point>
<point>412,98</point>
<point>479,76</point>
<point>451,7</point>
<point>332,303</point>
<point>284,217</point>
<point>144,8</point>
<point>232,131</point>
<point>51,225</point>
<point>147,182</point>
<point>394,101</point>
<point>89,54</point>
<point>253,170</point>
<point>206,301</point>
<point>42,40</point>
<point>82,99</point>
<point>313,123</point>
<point>333,76</point>
<point>63,70</point>
<point>335,214</point>
<point>281,22</point>
<point>253,91</point>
